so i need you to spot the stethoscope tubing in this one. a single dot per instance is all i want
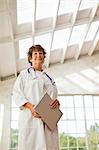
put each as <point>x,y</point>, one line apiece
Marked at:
<point>53,83</point>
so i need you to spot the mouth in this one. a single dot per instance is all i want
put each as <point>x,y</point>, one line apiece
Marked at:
<point>38,59</point>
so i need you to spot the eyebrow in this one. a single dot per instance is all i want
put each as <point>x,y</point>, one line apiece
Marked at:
<point>38,51</point>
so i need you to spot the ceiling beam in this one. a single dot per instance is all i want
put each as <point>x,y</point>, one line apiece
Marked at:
<point>29,35</point>
<point>34,19</point>
<point>95,42</point>
<point>43,31</point>
<point>12,37</point>
<point>92,15</point>
<point>52,34</point>
<point>75,12</point>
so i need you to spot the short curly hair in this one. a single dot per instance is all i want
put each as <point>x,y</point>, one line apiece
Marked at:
<point>34,48</point>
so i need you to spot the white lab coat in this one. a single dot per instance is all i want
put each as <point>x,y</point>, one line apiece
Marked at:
<point>30,87</point>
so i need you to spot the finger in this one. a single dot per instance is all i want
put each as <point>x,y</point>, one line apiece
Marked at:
<point>55,103</point>
<point>37,116</point>
<point>53,106</point>
<point>52,103</point>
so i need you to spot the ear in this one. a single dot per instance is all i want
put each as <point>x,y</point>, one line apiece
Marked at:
<point>30,60</point>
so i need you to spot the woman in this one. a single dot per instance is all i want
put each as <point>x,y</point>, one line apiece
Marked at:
<point>29,88</point>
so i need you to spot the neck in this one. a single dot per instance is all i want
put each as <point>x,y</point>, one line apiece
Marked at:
<point>39,68</point>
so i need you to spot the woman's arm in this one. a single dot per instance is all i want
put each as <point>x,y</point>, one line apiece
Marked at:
<point>32,109</point>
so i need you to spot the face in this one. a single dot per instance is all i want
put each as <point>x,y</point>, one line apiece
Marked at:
<point>37,57</point>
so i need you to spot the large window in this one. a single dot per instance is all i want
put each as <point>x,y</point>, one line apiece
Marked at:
<point>78,127</point>
<point>1,119</point>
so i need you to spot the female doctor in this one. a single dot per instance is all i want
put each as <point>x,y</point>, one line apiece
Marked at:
<point>29,88</point>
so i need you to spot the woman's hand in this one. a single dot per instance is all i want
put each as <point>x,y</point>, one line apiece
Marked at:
<point>55,103</point>
<point>34,113</point>
<point>31,108</point>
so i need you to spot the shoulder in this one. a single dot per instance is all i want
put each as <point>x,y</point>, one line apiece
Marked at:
<point>23,73</point>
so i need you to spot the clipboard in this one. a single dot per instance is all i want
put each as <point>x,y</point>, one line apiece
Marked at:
<point>49,116</point>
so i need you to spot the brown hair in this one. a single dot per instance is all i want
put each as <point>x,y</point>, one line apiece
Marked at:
<point>33,49</point>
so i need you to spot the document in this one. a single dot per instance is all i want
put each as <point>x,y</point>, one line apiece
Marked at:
<point>49,116</point>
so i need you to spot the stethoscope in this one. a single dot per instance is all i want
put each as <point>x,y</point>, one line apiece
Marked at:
<point>34,76</point>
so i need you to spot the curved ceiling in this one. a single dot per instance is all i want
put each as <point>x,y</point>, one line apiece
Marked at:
<point>65,28</point>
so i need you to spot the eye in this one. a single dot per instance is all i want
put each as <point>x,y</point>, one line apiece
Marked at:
<point>41,53</point>
<point>35,53</point>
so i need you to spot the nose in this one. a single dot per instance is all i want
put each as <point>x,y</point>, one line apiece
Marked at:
<point>38,54</point>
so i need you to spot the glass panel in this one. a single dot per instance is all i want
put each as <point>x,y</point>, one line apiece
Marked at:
<point>80,126</point>
<point>90,125</point>
<point>78,101</point>
<point>24,45</point>
<point>15,114</point>
<point>24,11</point>
<point>46,8</point>
<point>71,127</point>
<point>88,101</point>
<point>14,124</point>
<point>63,141</point>
<point>69,102</point>
<point>77,34</point>
<point>1,119</point>
<point>44,40</point>
<point>96,101</point>
<point>97,126</point>
<point>81,141</point>
<point>60,38</point>
<point>62,100</point>
<point>73,148</point>
<point>63,148</point>
<point>89,113</point>
<point>14,138</point>
<point>72,142</point>
<point>64,114</point>
<point>92,31</point>
<point>66,6</point>
<point>93,136</point>
<point>79,113</point>
<point>13,104</point>
<point>70,113</point>
<point>85,4</point>
<point>62,125</point>
<point>96,113</point>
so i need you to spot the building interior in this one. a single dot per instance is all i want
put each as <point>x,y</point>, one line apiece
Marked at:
<point>69,32</point>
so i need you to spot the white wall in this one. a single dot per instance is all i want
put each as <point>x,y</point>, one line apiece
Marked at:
<point>7,63</point>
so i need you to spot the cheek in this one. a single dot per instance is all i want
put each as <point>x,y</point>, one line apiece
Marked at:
<point>43,59</point>
<point>33,59</point>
